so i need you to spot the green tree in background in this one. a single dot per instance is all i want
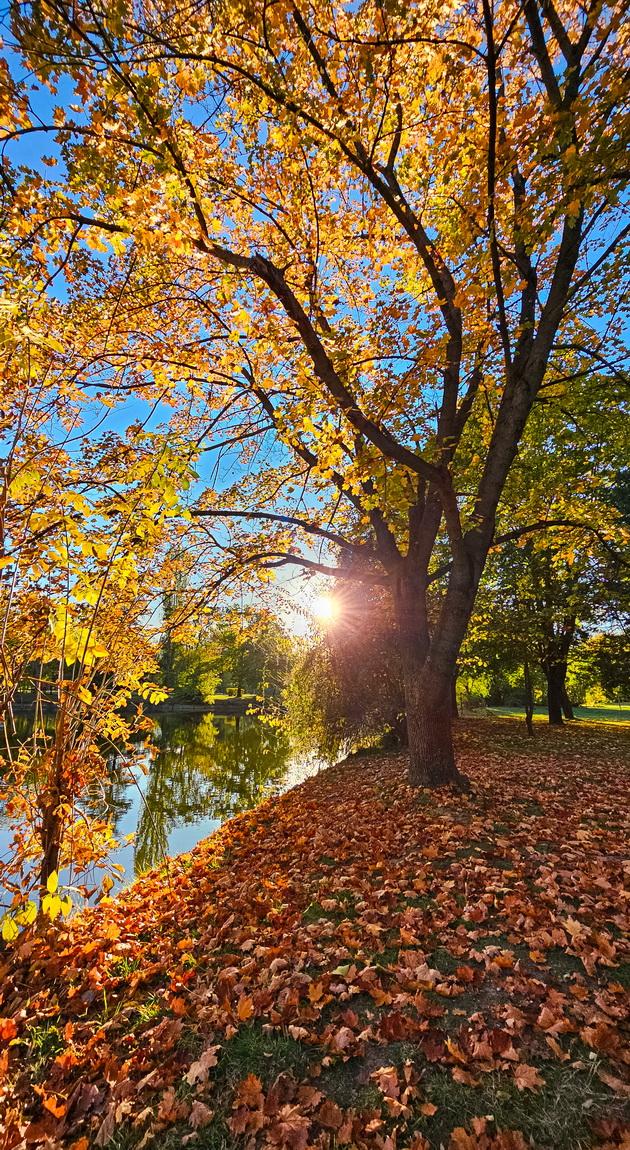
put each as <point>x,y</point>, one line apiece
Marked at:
<point>245,652</point>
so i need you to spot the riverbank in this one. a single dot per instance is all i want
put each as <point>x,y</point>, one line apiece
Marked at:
<point>352,964</point>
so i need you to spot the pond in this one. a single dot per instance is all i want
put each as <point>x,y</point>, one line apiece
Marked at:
<point>206,769</point>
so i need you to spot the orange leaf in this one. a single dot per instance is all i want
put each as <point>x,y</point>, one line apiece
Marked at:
<point>527,1077</point>
<point>329,1115</point>
<point>249,1092</point>
<point>616,1084</point>
<point>58,1109</point>
<point>556,1047</point>
<point>245,1007</point>
<point>464,1077</point>
<point>8,1029</point>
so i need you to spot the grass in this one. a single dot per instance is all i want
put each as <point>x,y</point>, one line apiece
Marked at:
<point>612,713</point>
<point>560,1114</point>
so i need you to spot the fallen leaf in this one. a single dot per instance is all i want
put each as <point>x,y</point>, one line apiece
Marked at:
<point>200,1070</point>
<point>428,1109</point>
<point>527,1077</point>
<point>200,1115</point>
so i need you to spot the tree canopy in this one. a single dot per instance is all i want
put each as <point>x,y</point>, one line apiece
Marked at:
<point>357,245</point>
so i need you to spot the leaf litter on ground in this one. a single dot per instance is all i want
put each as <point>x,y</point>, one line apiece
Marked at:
<point>352,964</point>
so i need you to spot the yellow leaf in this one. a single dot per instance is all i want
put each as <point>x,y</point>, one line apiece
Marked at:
<point>52,882</point>
<point>51,905</point>
<point>9,929</point>
<point>27,915</point>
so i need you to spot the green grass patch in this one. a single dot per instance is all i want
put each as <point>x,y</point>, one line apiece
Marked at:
<point>45,1043</point>
<point>251,1051</point>
<point>556,1116</point>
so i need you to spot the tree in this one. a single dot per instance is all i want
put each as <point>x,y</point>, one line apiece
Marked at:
<point>538,600</point>
<point>82,523</point>
<point>610,654</point>
<point>346,689</point>
<point>245,650</point>
<point>387,230</point>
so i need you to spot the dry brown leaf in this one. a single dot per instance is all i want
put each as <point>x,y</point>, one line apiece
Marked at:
<point>527,1077</point>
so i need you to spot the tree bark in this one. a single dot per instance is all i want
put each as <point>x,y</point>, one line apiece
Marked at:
<point>429,724</point>
<point>454,707</point>
<point>529,698</point>
<point>428,693</point>
<point>567,706</point>
<point>554,674</point>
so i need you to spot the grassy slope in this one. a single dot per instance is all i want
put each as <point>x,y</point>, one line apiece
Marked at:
<point>352,964</point>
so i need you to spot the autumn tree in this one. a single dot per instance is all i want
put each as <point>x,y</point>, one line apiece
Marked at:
<point>388,229</point>
<point>82,562</point>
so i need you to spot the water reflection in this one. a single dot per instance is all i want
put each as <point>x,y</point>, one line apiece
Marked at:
<point>205,769</point>
<point>213,767</point>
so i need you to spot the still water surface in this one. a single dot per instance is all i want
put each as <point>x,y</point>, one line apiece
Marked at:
<point>206,769</point>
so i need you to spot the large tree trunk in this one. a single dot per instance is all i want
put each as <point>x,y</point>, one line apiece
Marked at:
<point>428,693</point>
<point>429,723</point>
<point>567,706</point>
<point>454,707</point>
<point>554,674</point>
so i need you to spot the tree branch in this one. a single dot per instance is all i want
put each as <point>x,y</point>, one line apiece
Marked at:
<point>304,524</point>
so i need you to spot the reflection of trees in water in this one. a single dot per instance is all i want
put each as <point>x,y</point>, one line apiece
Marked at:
<point>212,768</point>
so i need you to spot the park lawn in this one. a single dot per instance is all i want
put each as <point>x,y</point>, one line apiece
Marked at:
<point>352,964</point>
<point>613,713</point>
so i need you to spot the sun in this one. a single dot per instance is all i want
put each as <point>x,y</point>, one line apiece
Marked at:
<point>325,608</point>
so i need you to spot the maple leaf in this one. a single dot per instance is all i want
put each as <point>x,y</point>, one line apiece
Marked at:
<point>394,1027</point>
<point>527,1077</point>
<point>464,1076</point>
<point>480,1139</point>
<point>308,1096</point>
<point>386,1079</point>
<point>297,1032</point>
<point>342,1038</point>
<point>601,1037</point>
<point>249,1092</point>
<point>8,1029</point>
<point>329,1115</point>
<point>199,1071</point>
<point>433,1045</point>
<point>616,1084</point>
<point>243,1119</point>
<point>291,1129</point>
<point>56,1108</point>
<point>171,1109</point>
<point>200,1115</point>
<point>245,1007</point>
